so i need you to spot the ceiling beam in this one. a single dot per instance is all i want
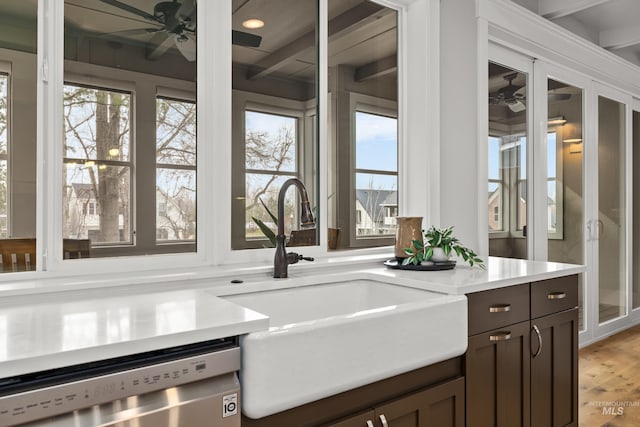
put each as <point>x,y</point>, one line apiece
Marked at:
<point>618,38</point>
<point>376,69</point>
<point>554,9</point>
<point>338,27</point>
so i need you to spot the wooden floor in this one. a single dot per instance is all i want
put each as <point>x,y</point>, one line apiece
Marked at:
<point>609,381</point>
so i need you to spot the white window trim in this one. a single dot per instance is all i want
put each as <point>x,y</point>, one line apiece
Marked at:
<point>214,126</point>
<point>6,69</point>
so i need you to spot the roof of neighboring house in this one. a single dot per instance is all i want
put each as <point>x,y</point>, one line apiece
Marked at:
<point>84,191</point>
<point>373,200</point>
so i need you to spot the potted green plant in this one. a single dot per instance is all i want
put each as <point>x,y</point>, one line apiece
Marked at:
<point>438,246</point>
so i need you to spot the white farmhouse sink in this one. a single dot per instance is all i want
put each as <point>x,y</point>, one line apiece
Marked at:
<point>328,338</point>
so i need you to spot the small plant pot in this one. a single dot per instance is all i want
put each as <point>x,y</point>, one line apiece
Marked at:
<point>439,255</point>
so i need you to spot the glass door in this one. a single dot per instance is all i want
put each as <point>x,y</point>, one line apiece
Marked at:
<point>510,112</point>
<point>565,178</point>
<point>610,220</point>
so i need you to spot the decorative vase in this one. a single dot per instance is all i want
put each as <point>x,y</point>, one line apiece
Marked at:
<point>409,228</point>
<point>439,255</point>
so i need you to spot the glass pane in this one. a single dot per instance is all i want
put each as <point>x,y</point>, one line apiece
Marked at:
<point>495,207</point>
<point>96,202</point>
<point>18,110</point>
<point>376,142</point>
<point>611,209</point>
<point>270,142</point>
<point>376,204</point>
<point>274,105</point>
<point>363,122</point>
<point>130,76</point>
<point>262,202</point>
<point>565,174</point>
<point>175,132</point>
<point>176,205</point>
<point>507,150</point>
<point>96,123</point>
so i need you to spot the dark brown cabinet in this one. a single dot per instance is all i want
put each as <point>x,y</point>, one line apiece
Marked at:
<point>425,397</point>
<point>438,406</point>
<point>523,372</point>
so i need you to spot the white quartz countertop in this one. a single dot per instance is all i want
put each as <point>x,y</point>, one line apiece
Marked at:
<point>46,331</point>
<point>499,273</point>
<point>53,331</point>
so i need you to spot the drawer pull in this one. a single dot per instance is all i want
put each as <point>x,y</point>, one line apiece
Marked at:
<point>556,295</point>
<point>369,423</point>
<point>500,308</point>
<point>500,336</point>
<point>383,420</point>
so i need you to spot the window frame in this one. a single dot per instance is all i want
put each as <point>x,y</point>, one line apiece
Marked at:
<point>124,89</point>
<point>247,101</point>
<point>559,233</point>
<point>382,107</point>
<point>177,96</point>
<point>6,70</point>
<point>214,124</point>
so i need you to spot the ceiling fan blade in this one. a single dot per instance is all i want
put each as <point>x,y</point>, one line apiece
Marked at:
<point>241,38</point>
<point>559,96</point>
<point>517,106</point>
<point>159,45</point>
<point>131,9</point>
<point>134,32</point>
<point>187,47</point>
<point>187,10</point>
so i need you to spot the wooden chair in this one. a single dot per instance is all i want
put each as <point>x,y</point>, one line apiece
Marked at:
<point>76,248</point>
<point>17,255</point>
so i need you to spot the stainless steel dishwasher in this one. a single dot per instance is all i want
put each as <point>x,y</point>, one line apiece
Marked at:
<point>194,385</point>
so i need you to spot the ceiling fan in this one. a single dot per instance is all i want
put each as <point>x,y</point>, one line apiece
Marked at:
<point>177,22</point>
<point>514,96</point>
<point>511,95</point>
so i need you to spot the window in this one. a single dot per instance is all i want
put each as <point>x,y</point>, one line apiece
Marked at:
<point>554,186</point>
<point>175,169</point>
<point>97,164</point>
<point>271,157</point>
<point>4,144</point>
<point>507,185</point>
<point>376,173</point>
<point>495,185</point>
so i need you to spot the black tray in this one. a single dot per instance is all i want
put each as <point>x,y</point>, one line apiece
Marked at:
<point>425,266</point>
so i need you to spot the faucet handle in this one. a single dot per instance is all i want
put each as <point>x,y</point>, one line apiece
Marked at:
<point>293,258</point>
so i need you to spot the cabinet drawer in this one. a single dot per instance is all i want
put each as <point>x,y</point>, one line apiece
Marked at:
<point>553,295</point>
<point>497,308</point>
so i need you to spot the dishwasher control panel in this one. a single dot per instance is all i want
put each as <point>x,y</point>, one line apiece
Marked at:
<point>67,397</point>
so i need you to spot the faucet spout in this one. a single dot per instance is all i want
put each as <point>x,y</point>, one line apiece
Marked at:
<point>281,259</point>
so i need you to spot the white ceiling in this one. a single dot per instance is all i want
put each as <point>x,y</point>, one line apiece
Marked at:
<point>613,25</point>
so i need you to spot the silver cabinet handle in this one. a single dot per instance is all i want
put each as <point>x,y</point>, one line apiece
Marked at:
<point>539,336</point>
<point>500,336</point>
<point>383,420</point>
<point>556,295</point>
<point>500,308</point>
<point>369,423</point>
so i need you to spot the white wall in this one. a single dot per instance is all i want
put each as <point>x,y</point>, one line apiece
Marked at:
<point>459,149</point>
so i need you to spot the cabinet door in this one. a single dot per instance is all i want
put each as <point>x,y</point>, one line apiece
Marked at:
<point>498,382</point>
<point>554,370</point>
<point>365,419</point>
<point>439,406</point>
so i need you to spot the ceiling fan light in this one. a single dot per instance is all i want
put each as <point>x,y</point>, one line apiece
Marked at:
<point>253,24</point>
